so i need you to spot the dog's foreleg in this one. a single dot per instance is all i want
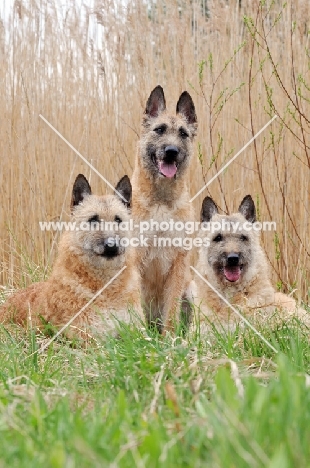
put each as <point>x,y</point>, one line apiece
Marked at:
<point>174,289</point>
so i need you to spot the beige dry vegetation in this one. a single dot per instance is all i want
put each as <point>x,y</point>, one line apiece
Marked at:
<point>89,71</point>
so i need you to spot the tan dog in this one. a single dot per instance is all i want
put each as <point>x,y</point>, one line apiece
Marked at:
<point>88,258</point>
<point>160,194</point>
<point>236,266</point>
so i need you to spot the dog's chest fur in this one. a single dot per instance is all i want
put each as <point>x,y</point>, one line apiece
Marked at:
<point>156,255</point>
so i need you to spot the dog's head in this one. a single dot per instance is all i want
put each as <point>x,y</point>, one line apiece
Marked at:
<point>234,245</point>
<point>166,143</point>
<point>98,221</point>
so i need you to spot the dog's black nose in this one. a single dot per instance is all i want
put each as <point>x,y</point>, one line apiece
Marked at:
<point>232,259</point>
<point>171,152</point>
<point>111,248</point>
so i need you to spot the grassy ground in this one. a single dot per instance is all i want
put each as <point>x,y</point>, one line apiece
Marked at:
<point>225,400</point>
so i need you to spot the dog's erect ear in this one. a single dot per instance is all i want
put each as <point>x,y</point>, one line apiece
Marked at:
<point>247,209</point>
<point>156,103</point>
<point>124,188</point>
<point>208,209</point>
<point>81,188</point>
<point>185,106</point>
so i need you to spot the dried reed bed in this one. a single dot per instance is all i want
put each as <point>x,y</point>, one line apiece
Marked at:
<point>89,70</point>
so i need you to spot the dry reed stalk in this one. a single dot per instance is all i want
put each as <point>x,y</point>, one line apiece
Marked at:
<point>89,72</point>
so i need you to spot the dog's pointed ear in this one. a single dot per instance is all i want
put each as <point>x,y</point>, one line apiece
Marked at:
<point>185,106</point>
<point>124,188</point>
<point>156,103</point>
<point>208,209</point>
<point>247,209</point>
<point>81,188</point>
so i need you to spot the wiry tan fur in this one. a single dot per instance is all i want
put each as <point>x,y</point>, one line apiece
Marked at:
<point>253,294</point>
<point>80,271</point>
<point>164,270</point>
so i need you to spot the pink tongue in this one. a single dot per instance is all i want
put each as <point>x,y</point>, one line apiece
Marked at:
<point>232,273</point>
<point>169,170</point>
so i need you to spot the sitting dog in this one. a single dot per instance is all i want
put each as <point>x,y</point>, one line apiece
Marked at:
<point>160,194</point>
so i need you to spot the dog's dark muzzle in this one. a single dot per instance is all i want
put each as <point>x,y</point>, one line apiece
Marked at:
<point>171,154</point>
<point>233,259</point>
<point>109,248</point>
<point>168,162</point>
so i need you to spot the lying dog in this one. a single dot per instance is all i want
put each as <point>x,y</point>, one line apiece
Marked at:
<point>235,265</point>
<point>88,258</point>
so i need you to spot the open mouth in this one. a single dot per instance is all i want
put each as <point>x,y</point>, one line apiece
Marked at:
<point>232,273</point>
<point>167,169</point>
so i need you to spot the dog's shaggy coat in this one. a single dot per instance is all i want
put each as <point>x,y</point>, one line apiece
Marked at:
<point>87,259</point>
<point>235,264</point>
<point>160,194</point>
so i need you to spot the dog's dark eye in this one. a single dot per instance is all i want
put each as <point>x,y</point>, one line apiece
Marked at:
<point>117,219</point>
<point>183,133</point>
<point>94,219</point>
<point>160,130</point>
<point>218,238</point>
<point>244,238</point>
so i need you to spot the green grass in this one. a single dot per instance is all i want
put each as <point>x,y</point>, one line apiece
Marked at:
<point>225,400</point>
